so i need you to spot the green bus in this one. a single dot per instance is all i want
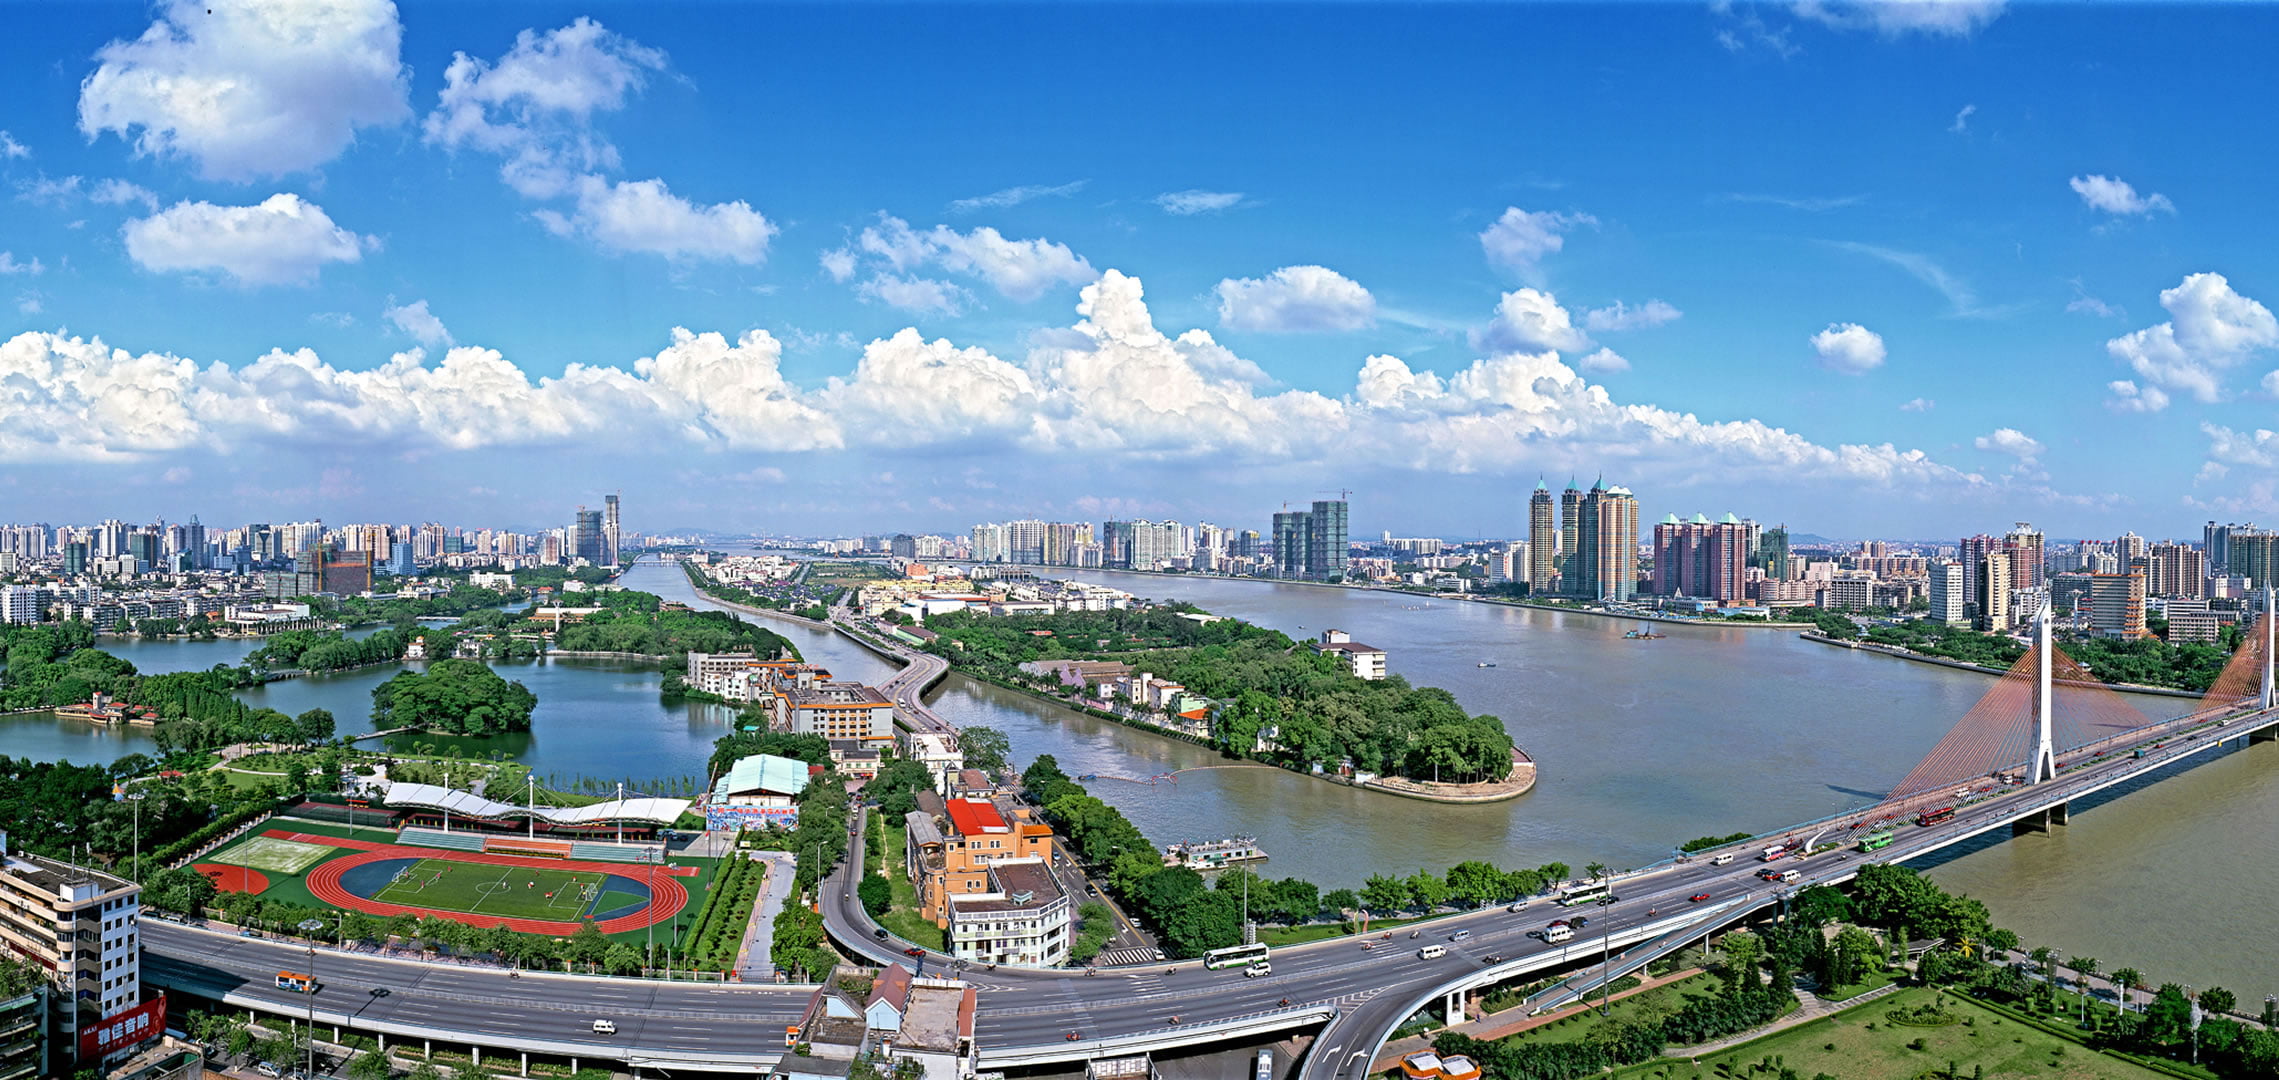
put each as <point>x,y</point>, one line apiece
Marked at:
<point>1586,894</point>
<point>1870,843</point>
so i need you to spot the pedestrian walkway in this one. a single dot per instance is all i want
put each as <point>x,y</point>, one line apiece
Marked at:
<point>1511,1022</point>
<point>1810,1007</point>
<point>755,958</point>
<point>1127,956</point>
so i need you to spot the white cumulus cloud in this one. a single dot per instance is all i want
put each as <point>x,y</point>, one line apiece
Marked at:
<point>10,266</point>
<point>251,88</point>
<point>283,240</point>
<point>2211,328</point>
<point>1619,316</point>
<point>1020,270</point>
<point>1897,18</point>
<point>2115,196</point>
<point>534,106</point>
<point>420,323</point>
<point>2010,441</point>
<point>2129,397</point>
<point>1604,360</point>
<point>1195,201</point>
<point>1295,298</point>
<point>644,216</point>
<point>1918,405</point>
<point>118,192</point>
<point>10,148</point>
<point>1849,348</point>
<point>1529,320</point>
<point>1520,239</point>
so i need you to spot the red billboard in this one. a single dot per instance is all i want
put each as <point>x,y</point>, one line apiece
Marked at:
<point>123,1029</point>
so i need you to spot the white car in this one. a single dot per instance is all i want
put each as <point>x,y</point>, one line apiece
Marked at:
<point>605,1027</point>
<point>1256,969</point>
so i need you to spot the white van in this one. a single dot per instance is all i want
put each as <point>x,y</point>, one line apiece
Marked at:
<point>605,1027</point>
<point>1432,952</point>
<point>1460,935</point>
<point>1556,934</point>
<point>1257,968</point>
<point>1722,859</point>
<point>1793,875</point>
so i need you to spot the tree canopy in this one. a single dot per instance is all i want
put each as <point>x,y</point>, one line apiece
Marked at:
<point>456,697</point>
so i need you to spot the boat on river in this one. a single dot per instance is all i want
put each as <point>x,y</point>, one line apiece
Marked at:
<point>1644,635</point>
<point>1487,663</point>
<point>1214,854</point>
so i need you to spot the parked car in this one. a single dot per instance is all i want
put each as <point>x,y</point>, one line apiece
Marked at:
<point>268,1069</point>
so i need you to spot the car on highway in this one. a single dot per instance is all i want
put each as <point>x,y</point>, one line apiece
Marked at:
<point>1460,935</point>
<point>879,933</point>
<point>1258,969</point>
<point>605,1027</point>
<point>1582,921</point>
<point>1492,959</point>
<point>1699,897</point>
<point>1517,906</point>
<point>1558,922</point>
<point>913,951</point>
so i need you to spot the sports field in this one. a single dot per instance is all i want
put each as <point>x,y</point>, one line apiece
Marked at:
<point>270,853</point>
<point>514,892</point>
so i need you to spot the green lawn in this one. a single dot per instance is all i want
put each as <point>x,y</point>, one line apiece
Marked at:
<point>1875,980</point>
<point>1626,1009</point>
<point>271,855</point>
<point>902,915</point>
<point>511,892</point>
<point>1844,1046</point>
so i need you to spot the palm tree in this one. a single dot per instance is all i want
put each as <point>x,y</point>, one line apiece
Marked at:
<point>2084,967</point>
<point>2128,979</point>
<point>1596,870</point>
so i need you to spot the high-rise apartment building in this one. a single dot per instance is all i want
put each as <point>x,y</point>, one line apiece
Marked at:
<point>1772,552</point>
<point>585,536</point>
<point>1947,593</point>
<point>2024,543</point>
<point>2128,547</point>
<point>1326,542</point>
<point>2116,605</point>
<point>2253,555</point>
<point>1973,550</point>
<point>1606,543</point>
<point>1542,542</point>
<point>1570,522</point>
<point>1702,558</point>
<point>989,544</point>
<point>80,926</point>
<point>2215,543</point>
<point>609,530</point>
<point>1290,531</point>
<point>2175,571</point>
<point>1993,607</point>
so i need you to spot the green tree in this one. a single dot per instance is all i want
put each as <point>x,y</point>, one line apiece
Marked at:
<point>314,726</point>
<point>896,787</point>
<point>459,697</point>
<point>2216,999</point>
<point>1476,882</point>
<point>985,748</point>
<point>371,1065</point>
<point>1821,905</point>
<point>1428,891</point>
<point>2086,967</point>
<point>1596,870</point>
<point>2129,980</point>
<point>1742,950</point>
<point>876,895</point>
<point>1851,956</point>
<point>1383,892</point>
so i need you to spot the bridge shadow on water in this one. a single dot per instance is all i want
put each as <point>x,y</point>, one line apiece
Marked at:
<point>2083,804</point>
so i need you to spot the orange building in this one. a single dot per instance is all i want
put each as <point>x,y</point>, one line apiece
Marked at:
<point>949,854</point>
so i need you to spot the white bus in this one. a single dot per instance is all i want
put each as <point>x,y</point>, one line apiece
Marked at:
<point>1240,956</point>
<point>1585,894</point>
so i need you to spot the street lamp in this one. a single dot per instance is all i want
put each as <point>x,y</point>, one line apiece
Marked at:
<point>310,927</point>
<point>1606,969</point>
<point>136,798</point>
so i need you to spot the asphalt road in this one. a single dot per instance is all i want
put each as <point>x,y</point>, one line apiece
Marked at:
<point>480,1001</point>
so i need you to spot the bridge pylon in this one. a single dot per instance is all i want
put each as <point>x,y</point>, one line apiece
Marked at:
<point>2270,626</point>
<point>2045,754</point>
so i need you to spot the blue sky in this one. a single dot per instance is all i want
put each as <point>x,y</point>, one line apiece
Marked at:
<point>1912,270</point>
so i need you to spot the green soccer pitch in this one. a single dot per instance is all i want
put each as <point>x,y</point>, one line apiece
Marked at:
<point>511,892</point>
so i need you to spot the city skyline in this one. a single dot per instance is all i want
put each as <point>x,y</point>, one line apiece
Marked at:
<point>1818,320</point>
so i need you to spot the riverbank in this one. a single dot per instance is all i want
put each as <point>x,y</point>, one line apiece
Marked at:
<point>1963,665</point>
<point>1675,620</point>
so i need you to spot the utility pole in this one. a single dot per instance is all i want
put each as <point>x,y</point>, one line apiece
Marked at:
<point>2270,617</point>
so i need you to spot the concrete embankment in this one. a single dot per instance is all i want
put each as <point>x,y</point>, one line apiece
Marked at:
<point>1920,658</point>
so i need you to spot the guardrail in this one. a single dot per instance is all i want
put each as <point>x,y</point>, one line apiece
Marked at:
<point>1162,1038</point>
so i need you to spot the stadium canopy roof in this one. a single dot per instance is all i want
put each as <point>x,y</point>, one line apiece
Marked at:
<point>438,797</point>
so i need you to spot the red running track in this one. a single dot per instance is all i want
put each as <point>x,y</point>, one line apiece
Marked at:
<point>667,899</point>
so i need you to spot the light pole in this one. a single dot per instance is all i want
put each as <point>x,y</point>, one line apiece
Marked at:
<point>1606,969</point>
<point>310,927</point>
<point>136,798</point>
<point>533,779</point>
